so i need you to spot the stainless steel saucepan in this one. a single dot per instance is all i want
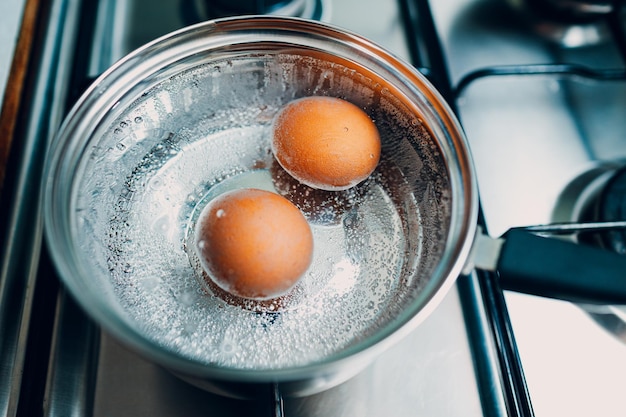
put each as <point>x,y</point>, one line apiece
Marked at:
<point>186,118</point>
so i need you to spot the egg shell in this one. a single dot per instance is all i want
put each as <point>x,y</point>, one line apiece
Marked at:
<point>325,142</point>
<point>254,243</point>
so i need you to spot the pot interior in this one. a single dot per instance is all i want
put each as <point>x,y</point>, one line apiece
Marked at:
<point>131,175</point>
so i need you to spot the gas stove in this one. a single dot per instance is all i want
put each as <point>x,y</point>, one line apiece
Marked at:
<point>541,102</point>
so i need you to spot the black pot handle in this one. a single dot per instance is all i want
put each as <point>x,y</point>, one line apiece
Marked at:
<point>556,268</point>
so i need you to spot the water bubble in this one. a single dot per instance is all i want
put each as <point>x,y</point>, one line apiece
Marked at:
<point>138,119</point>
<point>156,183</point>
<point>162,224</point>
<point>150,283</point>
<point>189,327</point>
<point>187,298</point>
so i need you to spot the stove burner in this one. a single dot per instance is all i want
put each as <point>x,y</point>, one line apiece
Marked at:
<point>308,9</point>
<point>611,206</point>
<point>599,195</point>
<point>571,11</point>
<point>596,197</point>
<point>570,23</point>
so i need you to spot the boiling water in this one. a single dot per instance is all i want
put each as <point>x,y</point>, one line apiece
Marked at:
<point>359,257</point>
<point>140,194</point>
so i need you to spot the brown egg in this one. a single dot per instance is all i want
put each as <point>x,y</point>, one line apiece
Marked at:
<point>253,243</point>
<point>325,142</point>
